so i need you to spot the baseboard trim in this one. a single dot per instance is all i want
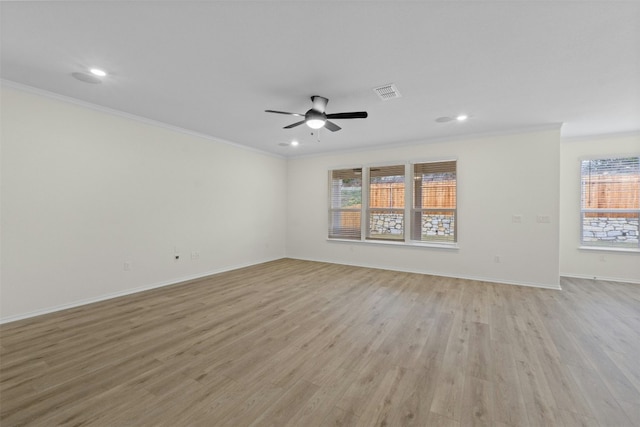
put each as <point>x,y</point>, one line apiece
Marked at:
<point>605,278</point>
<point>185,279</point>
<point>431,273</point>
<point>136,290</point>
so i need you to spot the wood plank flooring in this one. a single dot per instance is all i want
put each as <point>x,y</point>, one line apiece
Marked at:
<point>299,343</point>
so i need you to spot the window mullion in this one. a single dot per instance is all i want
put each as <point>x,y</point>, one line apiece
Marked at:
<point>364,214</point>
<point>408,202</point>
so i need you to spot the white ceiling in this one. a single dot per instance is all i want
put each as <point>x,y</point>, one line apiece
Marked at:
<point>214,67</point>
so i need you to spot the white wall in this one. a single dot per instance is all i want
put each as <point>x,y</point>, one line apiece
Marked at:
<point>601,264</point>
<point>84,191</point>
<point>498,177</point>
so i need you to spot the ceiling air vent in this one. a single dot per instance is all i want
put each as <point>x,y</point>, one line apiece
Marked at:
<point>387,92</point>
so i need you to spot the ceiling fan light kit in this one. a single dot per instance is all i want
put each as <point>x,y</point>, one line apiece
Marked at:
<point>316,117</point>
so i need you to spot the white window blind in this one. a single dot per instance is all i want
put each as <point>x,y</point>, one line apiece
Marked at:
<point>385,213</point>
<point>434,202</point>
<point>345,206</point>
<point>610,202</point>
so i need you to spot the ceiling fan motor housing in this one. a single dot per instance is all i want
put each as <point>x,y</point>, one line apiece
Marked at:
<point>314,115</point>
<point>315,119</point>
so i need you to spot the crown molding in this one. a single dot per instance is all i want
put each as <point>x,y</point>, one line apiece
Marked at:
<point>118,113</point>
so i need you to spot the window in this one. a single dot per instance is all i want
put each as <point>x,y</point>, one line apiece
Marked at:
<point>405,204</point>
<point>610,202</point>
<point>386,203</point>
<point>434,202</point>
<point>345,206</point>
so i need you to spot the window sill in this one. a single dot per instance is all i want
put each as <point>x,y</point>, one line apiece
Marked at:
<point>410,244</point>
<point>605,249</point>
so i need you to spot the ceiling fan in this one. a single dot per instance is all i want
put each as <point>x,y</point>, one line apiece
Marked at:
<point>316,117</point>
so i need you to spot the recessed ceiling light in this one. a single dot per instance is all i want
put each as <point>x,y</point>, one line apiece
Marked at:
<point>97,72</point>
<point>293,143</point>
<point>462,117</point>
<point>443,119</point>
<point>87,78</point>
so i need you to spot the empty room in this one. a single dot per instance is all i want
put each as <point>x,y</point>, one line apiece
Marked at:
<point>320,213</point>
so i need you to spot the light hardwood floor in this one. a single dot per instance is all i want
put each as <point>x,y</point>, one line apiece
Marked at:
<point>311,344</point>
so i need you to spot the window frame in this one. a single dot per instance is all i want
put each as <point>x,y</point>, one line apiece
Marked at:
<point>581,210</point>
<point>367,209</point>
<point>413,209</point>
<point>332,210</point>
<point>407,240</point>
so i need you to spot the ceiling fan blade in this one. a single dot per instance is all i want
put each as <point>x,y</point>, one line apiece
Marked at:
<point>332,126</point>
<point>284,112</point>
<point>293,125</point>
<point>319,103</point>
<point>353,115</point>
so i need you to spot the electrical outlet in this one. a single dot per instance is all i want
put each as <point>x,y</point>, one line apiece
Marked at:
<point>516,218</point>
<point>496,258</point>
<point>127,266</point>
<point>195,255</point>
